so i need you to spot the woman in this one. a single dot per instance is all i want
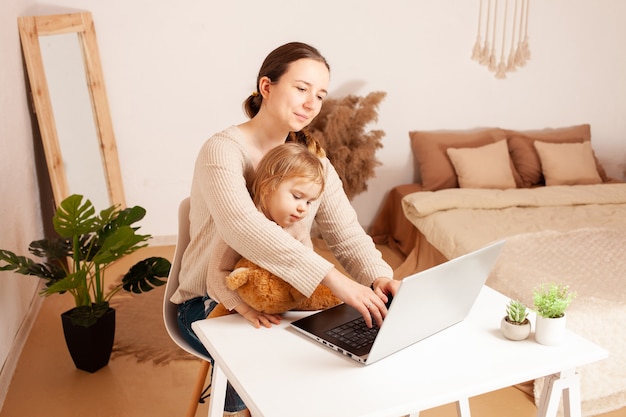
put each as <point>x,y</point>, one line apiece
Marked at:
<point>291,85</point>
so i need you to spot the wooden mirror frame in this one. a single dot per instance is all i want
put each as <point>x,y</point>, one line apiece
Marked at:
<point>31,28</point>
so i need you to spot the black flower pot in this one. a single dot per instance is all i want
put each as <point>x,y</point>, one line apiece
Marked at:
<point>90,347</point>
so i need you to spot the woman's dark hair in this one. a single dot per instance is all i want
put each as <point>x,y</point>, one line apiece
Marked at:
<point>274,66</point>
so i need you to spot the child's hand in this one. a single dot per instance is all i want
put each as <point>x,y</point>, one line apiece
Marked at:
<point>256,318</point>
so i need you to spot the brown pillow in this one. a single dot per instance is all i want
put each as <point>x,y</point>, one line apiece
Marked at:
<point>567,163</point>
<point>431,160</point>
<point>487,166</point>
<point>524,155</point>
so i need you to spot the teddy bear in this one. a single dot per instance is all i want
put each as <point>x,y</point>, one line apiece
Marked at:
<point>266,292</point>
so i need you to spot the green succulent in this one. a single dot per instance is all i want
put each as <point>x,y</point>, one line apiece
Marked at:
<point>551,300</point>
<point>516,312</point>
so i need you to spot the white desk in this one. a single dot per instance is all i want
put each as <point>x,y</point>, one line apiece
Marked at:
<point>279,372</point>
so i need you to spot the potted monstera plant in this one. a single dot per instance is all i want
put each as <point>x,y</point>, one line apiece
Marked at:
<point>75,263</point>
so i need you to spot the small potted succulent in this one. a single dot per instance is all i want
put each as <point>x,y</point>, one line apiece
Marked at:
<point>551,300</point>
<point>515,324</point>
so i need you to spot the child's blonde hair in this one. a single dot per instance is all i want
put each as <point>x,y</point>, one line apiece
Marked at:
<point>286,161</point>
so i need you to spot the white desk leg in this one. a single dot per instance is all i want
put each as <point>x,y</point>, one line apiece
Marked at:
<point>571,395</point>
<point>218,392</point>
<point>566,383</point>
<point>463,408</point>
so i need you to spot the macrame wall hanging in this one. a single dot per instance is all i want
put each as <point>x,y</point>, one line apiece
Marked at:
<point>502,29</point>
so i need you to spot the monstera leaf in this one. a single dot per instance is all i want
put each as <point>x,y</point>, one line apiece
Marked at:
<point>88,243</point>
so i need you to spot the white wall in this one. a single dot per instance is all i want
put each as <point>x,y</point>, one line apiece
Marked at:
<point>19,196</point>
<point>178,73</point>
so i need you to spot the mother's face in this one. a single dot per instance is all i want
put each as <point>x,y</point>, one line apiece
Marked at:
<point>296,98</point>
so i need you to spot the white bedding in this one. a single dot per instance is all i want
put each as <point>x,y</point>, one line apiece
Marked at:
<point>457,221</point>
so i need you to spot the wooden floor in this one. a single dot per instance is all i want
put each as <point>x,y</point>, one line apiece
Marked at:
<point>47,384</point>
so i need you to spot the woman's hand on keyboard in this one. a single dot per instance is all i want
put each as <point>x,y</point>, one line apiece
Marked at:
<point>362,298</point>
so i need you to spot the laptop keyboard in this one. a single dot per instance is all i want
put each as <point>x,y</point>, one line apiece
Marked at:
<point>354,333</point>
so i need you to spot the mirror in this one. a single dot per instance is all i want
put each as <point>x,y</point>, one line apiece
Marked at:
<point>69,98</point>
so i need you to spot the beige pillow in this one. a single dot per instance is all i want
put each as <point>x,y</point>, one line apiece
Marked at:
<point>525,158</point>
<point>487,166</point>
<point>431,160</point>
<point>567,163</point>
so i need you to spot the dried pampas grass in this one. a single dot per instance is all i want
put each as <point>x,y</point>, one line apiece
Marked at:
<point>340,129</point>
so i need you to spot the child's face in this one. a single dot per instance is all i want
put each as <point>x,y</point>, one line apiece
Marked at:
<point>291,200</point>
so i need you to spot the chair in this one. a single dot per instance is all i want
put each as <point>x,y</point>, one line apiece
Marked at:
<point>170,309</point>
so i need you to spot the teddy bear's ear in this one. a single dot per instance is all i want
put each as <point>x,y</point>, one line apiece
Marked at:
<point>237,278</point>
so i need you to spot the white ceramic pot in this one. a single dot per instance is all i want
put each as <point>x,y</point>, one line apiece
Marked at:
<point>549,331</point>
<point>514,331</point>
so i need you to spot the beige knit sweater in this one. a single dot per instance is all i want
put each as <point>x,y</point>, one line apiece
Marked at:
<point>221,207</point>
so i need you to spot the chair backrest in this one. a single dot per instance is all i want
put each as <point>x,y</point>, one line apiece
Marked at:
<point>170,309</point>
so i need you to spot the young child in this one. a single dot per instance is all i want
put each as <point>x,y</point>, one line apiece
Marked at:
<point>289,179</point>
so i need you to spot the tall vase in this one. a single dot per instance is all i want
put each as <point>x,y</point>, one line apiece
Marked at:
<point>549,331</point>
<point>90,347</point>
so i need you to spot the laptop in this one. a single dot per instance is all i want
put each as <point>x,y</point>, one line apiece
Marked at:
<point>425,303</point>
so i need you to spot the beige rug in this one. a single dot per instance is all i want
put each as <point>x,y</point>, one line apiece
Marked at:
<point>140,331</point>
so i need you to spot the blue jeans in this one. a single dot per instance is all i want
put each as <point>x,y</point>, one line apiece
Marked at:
<point>198,309</point>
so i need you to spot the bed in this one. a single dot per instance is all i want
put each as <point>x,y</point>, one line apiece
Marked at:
<point>562,218</point>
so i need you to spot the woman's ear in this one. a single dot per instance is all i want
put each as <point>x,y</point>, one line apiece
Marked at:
<point>264,86</point>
